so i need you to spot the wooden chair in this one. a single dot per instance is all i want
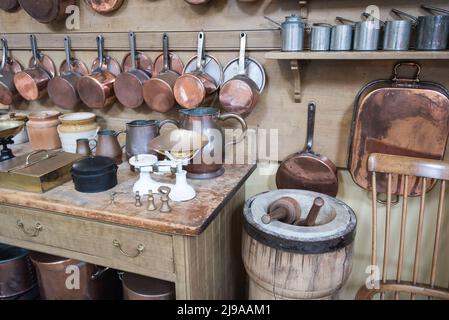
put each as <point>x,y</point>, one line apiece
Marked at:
<point>405,168</point>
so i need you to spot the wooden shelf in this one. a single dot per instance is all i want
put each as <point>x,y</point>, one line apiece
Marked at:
<point>295,57</point>
<point>358,55</point>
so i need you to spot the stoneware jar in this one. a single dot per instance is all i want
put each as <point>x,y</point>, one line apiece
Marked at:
<point>42,130</point>
<point>75,126</point>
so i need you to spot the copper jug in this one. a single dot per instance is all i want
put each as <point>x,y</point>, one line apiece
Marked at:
<point>209,163</point>
<point>109,146</point>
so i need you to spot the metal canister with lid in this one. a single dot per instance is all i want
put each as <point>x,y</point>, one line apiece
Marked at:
<point>293,33</point>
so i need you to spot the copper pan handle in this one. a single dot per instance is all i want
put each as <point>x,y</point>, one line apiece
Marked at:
<point>311,110</point>
<point>34,49</point>
<point>132,47</point>
<point>100,48</point>
<point>4,53</point>
<point>32,232</point>
<point>410,64</point>
<point>139,250</point>
<point>242,54</point>
<point>226,116</point>
<point>166,54</point>
<point>67,48</point>
<point>200,52</point>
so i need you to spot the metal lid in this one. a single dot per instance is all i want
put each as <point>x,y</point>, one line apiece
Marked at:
<point>149,287</point>
<point>211,66</point>
<point>93,165</point>
<point>293,18</point>
<point>200,111</point>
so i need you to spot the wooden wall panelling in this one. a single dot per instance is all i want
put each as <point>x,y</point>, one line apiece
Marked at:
<point>332,84</point>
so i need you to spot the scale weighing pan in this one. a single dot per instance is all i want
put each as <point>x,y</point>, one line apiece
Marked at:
<point>180,143</point>
<point>10,128</point>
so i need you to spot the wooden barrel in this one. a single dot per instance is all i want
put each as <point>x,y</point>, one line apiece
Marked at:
<point>285,261</point>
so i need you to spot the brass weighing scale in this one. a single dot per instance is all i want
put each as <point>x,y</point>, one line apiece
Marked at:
<point>8,130</point>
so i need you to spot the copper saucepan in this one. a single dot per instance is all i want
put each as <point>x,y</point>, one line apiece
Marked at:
<point>308,170</point>
<point>196,88</point>
<point>97,89</point>
<point>8,67</point>
<point>32,83</point>
<point>104,6</point>
<point>62,89</point>
<point>46,11</point>
<point>9,5</point>
<point>240,94</point>
<point>128,86</point>
<point>158,91</point>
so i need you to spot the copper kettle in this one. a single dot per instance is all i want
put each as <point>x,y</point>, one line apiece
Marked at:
<point>209,163</point>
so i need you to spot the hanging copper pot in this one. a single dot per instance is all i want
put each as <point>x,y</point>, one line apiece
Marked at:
<point>104,6</point>
<point>8,67</point>
<point>129,84</point>
<point>32,83</point>
<point>97,89</point>
<point>9,5</point>
<point>158,91</point>
<point>47,11</point>
<point>240,93</point>
<point>202,77</point>
<point>62,89</point>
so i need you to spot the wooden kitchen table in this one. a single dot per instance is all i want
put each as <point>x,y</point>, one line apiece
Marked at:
<point>196,246</point>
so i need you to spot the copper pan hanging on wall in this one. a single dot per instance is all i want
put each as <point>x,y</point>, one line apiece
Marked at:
<point>9,5</point>
<point>97,89</point>
<point>8,67</point>
<point>62,89</point>
<point>32,83</point>
<point>47,11</point>
<point>158,91</point>
<point>245,80</point>
<point>202,77</point>
<point>128,86</point>
<point>104,6</point>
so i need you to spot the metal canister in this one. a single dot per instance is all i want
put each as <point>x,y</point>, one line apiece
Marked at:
<point>341,35</point>
<point>433,31</point>
<point>137,287</point>
<point>397,35</point>
<point>293,33</point>
<point>367,35</point>
<point>320,37</point>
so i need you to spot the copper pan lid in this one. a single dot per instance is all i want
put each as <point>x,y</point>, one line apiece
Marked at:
<point>77,67</point>
<point>104,6</point>
<point>46,63</point>
<point>143,63</point>
<point>176,63</point>
<point>147,288</point>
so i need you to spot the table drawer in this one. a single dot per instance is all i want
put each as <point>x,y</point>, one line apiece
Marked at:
<point>125,247</point>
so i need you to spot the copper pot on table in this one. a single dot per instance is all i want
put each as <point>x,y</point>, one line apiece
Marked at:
<point>97,89</point>
<point>202,77</point>
<point>240,93</point>
<point>8,67</point>
<point>104,6</point>
<point>47,11</point>
<point>108,145</point>
<point>129,84</point>
<point>158,91</point>
<point>137,287</point>
<point>32,83</point>
<point>62,89</point>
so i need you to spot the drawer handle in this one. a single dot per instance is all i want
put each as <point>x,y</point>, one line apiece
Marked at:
<point>139,250</point>
<point>32,232</point>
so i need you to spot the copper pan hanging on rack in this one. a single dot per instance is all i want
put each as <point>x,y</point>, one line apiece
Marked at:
<point>9,5</point>
<point>46,11</point>
<point>104,6</point>
<point>8,67</point>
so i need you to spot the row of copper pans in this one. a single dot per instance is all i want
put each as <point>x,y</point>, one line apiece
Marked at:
<point>56,10</point>
<point>160,84</point>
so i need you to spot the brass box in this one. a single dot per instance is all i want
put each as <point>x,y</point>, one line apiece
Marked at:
<point>41,175</point>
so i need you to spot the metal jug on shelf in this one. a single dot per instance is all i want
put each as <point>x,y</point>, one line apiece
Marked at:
<point>108,145</point>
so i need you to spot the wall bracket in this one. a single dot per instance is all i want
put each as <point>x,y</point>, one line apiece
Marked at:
<point>294,67</point>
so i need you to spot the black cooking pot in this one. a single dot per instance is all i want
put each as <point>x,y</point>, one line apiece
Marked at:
<point>94,174</point>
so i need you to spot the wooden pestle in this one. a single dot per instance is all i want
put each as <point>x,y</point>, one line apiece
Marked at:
<point>318,203</point>
<point>285,209</point>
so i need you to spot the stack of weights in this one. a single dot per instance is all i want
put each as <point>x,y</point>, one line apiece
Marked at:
<point>297,245</point>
